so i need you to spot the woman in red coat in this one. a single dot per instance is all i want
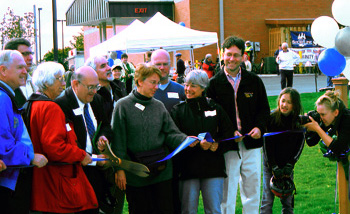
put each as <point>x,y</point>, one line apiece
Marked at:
<point>57,188</point>
<point>208,65</point>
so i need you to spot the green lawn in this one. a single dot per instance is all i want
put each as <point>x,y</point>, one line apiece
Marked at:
<point>314,175</point>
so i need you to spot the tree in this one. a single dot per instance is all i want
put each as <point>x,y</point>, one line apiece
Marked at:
<point>15,26</point>
<point>61,57</point>
<point>78,42</point>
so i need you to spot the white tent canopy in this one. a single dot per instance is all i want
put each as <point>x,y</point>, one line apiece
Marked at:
<point>161,32</point>
<point>158,32</point>
<point>117,42</point>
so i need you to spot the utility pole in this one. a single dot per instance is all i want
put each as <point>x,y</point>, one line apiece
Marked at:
<point>54,23</point>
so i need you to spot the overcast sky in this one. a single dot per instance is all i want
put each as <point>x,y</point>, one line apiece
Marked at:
<point>22,6</point>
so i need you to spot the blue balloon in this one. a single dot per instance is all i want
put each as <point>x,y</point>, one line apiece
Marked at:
<point>331,62</point>
<point>182,24</point>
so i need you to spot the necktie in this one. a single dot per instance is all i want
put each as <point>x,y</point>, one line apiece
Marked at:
<point>89,123</point>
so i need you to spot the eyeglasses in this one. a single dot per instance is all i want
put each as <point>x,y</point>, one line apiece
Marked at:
<point>236,56</point>
<point>61,79</point>
<point>162,64</point>
<point>27,53</point>
<point>91,87</point>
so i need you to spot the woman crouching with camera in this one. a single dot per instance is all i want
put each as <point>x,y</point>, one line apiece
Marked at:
<point>332,127</point>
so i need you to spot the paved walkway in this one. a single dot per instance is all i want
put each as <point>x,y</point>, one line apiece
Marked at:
<point>304,83</point>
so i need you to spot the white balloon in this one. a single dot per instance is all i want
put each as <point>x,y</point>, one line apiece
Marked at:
<point>341,11</point>
<point>346,70</point>
<point>324,30</point>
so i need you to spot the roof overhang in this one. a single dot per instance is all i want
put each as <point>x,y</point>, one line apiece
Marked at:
<point>118,12</point>
<point>289,22</point>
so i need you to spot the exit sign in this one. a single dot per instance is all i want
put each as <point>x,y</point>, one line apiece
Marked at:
<point>140,10</point>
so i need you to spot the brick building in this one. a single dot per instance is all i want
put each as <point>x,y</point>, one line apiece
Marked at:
<point>267,22</point>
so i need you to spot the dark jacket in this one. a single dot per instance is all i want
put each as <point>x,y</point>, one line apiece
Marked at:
<point>283,148</point>
<point>180,65</point>
<point>118,90</point>
<point>340,128</point>
<point>192,118</point>
<point>68,102</point>
<point>253,106</point>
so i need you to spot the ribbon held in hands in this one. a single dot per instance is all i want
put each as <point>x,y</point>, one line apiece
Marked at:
<point>188,141</point>
<point>54,163</point>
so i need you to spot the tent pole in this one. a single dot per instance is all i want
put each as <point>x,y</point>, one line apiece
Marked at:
<point>219,53</point>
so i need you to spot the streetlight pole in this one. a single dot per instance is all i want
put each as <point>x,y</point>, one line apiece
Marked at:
<point>39,9</point>
<point>62,39</point>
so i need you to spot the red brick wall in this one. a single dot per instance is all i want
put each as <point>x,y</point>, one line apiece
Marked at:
<point>246,18</point>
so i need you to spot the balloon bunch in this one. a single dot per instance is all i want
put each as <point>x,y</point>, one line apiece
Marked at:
<point>325,31</point>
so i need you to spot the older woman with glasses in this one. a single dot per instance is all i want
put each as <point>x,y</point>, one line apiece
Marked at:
<point>61,187</point>
<point>202,167</point>
<point>143,129</point>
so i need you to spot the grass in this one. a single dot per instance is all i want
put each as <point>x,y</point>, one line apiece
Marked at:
<point>314,176</point>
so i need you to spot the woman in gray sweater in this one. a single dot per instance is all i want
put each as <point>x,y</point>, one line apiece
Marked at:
<point>143,131</point>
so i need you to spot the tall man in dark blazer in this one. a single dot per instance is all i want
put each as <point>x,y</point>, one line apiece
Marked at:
<point>84,108</point>
<point>242,94</point>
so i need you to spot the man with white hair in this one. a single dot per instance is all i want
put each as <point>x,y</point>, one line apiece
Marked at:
<point>286,60</point>
<point>208,65</point>
<point>16,147</point>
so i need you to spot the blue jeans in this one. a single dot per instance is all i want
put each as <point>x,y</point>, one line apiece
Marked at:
<point>329,81</point>
<point>268,196</point>
<point>212,191</point>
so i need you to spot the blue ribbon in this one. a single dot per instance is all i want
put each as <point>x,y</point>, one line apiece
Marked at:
<point>187,142</point>
<point>208,137</point>
<point>54,163</point>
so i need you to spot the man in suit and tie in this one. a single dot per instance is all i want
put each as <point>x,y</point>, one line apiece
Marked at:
<point>84,108</point>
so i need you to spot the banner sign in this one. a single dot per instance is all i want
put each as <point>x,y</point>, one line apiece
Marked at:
<point>302,39</point>
<point>308,54</point>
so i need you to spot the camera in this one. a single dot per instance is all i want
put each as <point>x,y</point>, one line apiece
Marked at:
<point>314,114</point>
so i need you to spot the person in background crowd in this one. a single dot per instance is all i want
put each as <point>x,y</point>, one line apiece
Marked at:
<point>127,72</point>
<point>117,71</point>
<point>169,92</point>
<point>286,60</point>
<point>148,56</point>
<point>249,51</point>
<point>202,168</point>
<point>180,68</point>
<point>56,188</point>
<point>275,55</point>
<point>247,63</point>
<point>68,75</point>
<point>84,108</point>
<point>24,47</point>
<point>142,127</point>
<point>208,65</point>
<point>282,151</point>
<point>16,147</point>
<point>243,96</point>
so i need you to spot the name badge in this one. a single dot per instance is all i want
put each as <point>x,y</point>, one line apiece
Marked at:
<point>173,95</point>
<point>77,111</point>
<point>68,127</point>
<point>139,106</point>
<point>210,113</point>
